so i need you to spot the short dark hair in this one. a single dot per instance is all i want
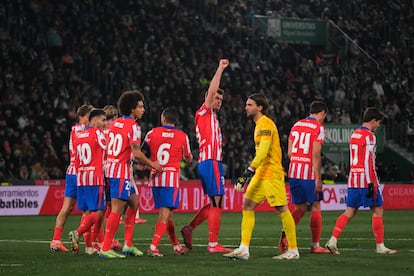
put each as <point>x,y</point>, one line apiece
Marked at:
<point>317,106</point>
<point>372,113</point>
<point>96,112</point>
<point>83,110</point>
<point>260,100</point>
<point>128,101</point>
<point>171,115</point>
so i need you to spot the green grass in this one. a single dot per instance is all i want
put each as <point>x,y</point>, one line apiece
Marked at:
<point>24,249</point>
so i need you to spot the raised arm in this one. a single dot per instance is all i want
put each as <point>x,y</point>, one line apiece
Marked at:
<point>215,82</point>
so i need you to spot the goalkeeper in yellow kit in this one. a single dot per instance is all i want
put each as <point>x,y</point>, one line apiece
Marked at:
<point>267,181</point>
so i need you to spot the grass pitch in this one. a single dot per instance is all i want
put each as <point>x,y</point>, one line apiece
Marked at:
<point>24,249</point>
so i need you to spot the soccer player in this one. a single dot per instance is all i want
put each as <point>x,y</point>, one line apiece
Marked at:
<point>69,200</point>
<point>210,168</point>
<point>167,145</point>
<point>363,185</point>
<point>111,113</point>
<point>124,143</point>
<point>304,150</point>
<point>90,145</point>
<point>267,181</point>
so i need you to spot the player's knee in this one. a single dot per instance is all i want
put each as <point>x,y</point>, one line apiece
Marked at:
<point>216,202</point>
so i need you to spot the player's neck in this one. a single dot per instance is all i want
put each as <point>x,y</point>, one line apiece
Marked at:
<point>368,126</point>
<point>257,117</point>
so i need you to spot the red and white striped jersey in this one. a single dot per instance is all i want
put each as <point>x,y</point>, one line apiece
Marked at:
<point>208,134</point>
<point>123,132</point>
<point>303,134</point>
<point>90,147</point>
<point>72,150</point>
<point>168,146</point>
<point>106,133</point>
<point>362,147</point>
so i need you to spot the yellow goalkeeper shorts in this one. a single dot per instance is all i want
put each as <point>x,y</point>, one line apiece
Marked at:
<point>274,190</point>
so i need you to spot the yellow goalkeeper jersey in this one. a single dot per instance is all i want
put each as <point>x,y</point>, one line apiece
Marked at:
<point>268,158</point>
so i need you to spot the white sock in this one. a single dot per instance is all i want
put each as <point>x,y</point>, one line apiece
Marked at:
<point>294,251</point>
<point>244,247</point>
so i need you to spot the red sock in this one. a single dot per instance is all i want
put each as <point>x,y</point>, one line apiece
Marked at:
<point>315,224</point>
<point>378,229</point>
<point>129,223</point>
<point>297,215</point>
<point>85,227</point>
<point>101,235</point>
<point>201,216</point>
<point>160,228</point>
<point>87,222</point>
<point>57,235</point>
<point>96,229</point>
<point>214,220</point>
<point>171,233</point>
<point>111,227</point>
<point>340,225</point>
<point>108,211</point>
<point>87,237</point>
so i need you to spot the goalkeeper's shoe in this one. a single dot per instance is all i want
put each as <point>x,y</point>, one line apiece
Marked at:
<point>58,246</point>
<point>74,238</point>
<point>219,248</point>
<point>320,250</point>
<point>154,253</point>
<point>238,253</point>
<point>385,251</point>
<point>187,233</point>
<point>132,251</point>
<point>332,247</point>
<point>179,250</point>
<point>110,254</point>
<point>288,255</point>
<point>283,243</point>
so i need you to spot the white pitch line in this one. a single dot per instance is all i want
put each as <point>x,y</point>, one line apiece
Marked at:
<point>233,239</point>
<point>205,245</point>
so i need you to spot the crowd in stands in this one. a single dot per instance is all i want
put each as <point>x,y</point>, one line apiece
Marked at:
<point>56,56</point>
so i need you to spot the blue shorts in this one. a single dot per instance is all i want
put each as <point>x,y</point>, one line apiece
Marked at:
<point>166,197</point>
<point>212,177</point>
<point>357,197</point>
<point>70,187</point>
<point>121,188</point>
<point>303,191</point>
<point>91,198</point>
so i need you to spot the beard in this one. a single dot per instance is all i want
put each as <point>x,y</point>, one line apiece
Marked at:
<point>251,116</point>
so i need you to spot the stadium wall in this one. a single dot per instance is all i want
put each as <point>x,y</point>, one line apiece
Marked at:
<point>46,198</point>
